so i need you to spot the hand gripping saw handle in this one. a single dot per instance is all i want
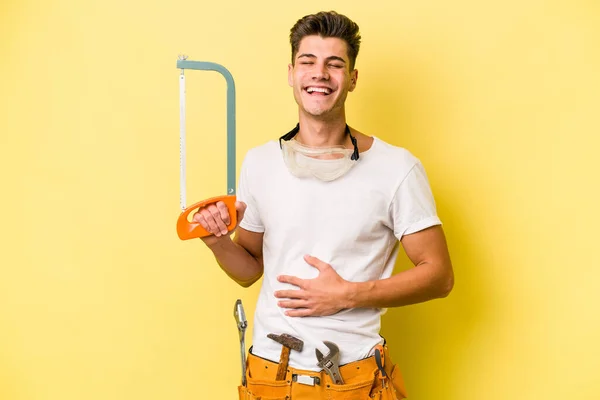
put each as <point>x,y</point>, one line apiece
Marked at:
<point>185,228</point>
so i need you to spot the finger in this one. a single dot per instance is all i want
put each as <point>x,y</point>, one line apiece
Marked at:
<point>200,219</point>
<point>291,294</point>
<point>300,312</point>
<point>240,208</point>
<point>293,304</point>
<point>212,227</point>
<point>224,212</point>
<point>217,217</point>
<point>292,280</point>
<point>315,262</point>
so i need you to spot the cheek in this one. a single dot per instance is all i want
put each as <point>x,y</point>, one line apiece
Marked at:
<point>343,80</point>
<point>294,80</point>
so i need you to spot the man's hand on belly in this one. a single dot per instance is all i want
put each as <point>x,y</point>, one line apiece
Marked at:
<point>324,295</point>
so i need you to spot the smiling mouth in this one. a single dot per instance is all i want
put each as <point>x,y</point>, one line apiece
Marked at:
<point>319,91</point>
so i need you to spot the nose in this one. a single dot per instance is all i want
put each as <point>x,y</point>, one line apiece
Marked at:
<point>320,72</point>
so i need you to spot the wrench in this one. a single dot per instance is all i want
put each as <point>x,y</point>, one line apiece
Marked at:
<point>240,318</point>
<point>331,362</point>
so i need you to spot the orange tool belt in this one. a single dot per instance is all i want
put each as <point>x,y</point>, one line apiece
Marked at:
<point>362,380</point>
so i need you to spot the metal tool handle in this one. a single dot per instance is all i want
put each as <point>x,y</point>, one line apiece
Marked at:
<point>242,324</point>
<point>240,316</point>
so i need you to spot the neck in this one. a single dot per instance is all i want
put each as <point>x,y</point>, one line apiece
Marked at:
<point>322,132</point>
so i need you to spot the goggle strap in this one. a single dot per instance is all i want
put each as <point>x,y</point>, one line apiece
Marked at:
<point>290,135</point>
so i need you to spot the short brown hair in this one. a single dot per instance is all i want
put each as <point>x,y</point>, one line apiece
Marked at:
<point>327,24</point>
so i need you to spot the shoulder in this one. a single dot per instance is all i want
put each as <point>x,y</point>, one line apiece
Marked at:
<point>392,156</point>
<point>262,154</point>
<point>389,165</point>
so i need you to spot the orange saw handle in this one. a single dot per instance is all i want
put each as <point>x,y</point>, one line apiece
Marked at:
<point>190,230</point>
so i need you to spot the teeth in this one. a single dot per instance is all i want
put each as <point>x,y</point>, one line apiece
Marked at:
<point>316,89</point>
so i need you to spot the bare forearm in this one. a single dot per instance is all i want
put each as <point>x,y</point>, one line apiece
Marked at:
<point>416,285</point>
<point>235,260</point>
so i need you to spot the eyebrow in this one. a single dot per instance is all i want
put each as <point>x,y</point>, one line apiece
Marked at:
<point>330,58</point>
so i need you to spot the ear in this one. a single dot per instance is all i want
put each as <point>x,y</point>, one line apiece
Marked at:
<point>353,79</point>
<point>290,75</point>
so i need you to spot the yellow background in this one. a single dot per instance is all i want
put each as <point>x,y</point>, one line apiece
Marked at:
<point>99,299</point>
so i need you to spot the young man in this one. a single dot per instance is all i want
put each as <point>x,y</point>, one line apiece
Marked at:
<point>322,213</point>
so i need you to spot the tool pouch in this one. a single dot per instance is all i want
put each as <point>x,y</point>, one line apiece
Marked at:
<point>264,390</point>
<point>246,394</point>
<point>390,387</point>
<point>261,383</point>
<point>363,382</point>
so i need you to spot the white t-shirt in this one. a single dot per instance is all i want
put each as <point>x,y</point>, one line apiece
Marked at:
<point>353,223</point>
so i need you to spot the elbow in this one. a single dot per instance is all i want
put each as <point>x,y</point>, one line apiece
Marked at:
<point>250,282</point>
<point>446,286</point>
<point>245,284</point>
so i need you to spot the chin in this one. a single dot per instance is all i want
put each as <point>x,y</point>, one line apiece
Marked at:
<point>317,112</point>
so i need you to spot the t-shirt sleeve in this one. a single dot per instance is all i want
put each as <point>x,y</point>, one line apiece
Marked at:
<point>251,221</point>
<point>413,207</point>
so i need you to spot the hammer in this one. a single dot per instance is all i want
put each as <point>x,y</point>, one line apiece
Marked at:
<point>289,343</point>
